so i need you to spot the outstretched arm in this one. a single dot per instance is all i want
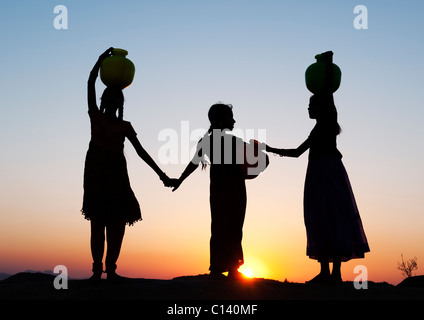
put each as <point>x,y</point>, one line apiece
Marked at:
<point>148,159</point>
<point>91,88</point>
<point>294,153</point>
<point>191,167</point>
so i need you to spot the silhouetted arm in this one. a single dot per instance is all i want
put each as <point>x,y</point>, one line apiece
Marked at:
<point>191,167</point>
<point>91,88</point>
<point>148,159</point>
<point>294,153</point>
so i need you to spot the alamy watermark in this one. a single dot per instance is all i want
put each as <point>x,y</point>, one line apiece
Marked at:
<point>361,280</point>
<point>218,147</point>
<point>61,280</point>
<point>60,21</point>
<point>361,20</point>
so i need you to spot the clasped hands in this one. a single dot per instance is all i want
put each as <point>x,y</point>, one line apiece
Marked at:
<point>170,182</point>
<point>175,183</point>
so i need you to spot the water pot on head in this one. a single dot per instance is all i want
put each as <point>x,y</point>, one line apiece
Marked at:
<point>323,76</point>
<point>117,70</point>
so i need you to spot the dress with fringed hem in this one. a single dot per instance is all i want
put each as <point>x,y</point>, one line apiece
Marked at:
<point>108,195</point>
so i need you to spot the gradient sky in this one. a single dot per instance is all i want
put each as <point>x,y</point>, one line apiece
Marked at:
<point>189,55</point>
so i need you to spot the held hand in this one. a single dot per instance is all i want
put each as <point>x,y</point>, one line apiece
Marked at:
<point>260,145</point>
<point>170,183</point>
<point>176,184</point>
<point>94,72</point>
<point>263,146</point>
<point>106,54</point>
<point>166,180</point>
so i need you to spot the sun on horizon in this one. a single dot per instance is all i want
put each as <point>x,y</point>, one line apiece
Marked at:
<point>254,268</point>
<point>247,272</point>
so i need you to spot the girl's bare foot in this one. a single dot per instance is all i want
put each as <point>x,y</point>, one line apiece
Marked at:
<point>321,278</point>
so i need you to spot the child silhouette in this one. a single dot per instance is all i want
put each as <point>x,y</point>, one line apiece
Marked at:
<point>333,225</point>
<point>227,191</point>
<point>109,202</point>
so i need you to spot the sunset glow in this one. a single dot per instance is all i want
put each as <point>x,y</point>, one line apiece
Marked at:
<point>247,272</point>
<point>189,55</point>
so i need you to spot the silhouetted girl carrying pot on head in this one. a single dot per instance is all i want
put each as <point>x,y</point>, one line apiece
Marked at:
<point>109,202</point>
<point>333,225</point>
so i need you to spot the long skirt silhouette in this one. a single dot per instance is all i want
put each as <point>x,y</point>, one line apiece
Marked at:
<point>228,208</point>
<point>108,196</point>
<point>333,225</point>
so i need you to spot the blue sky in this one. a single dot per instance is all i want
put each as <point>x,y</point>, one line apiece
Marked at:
<point>191,54</point>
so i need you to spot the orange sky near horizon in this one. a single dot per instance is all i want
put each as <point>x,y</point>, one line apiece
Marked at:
<point>173,238</point>
<point>189,55</point>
